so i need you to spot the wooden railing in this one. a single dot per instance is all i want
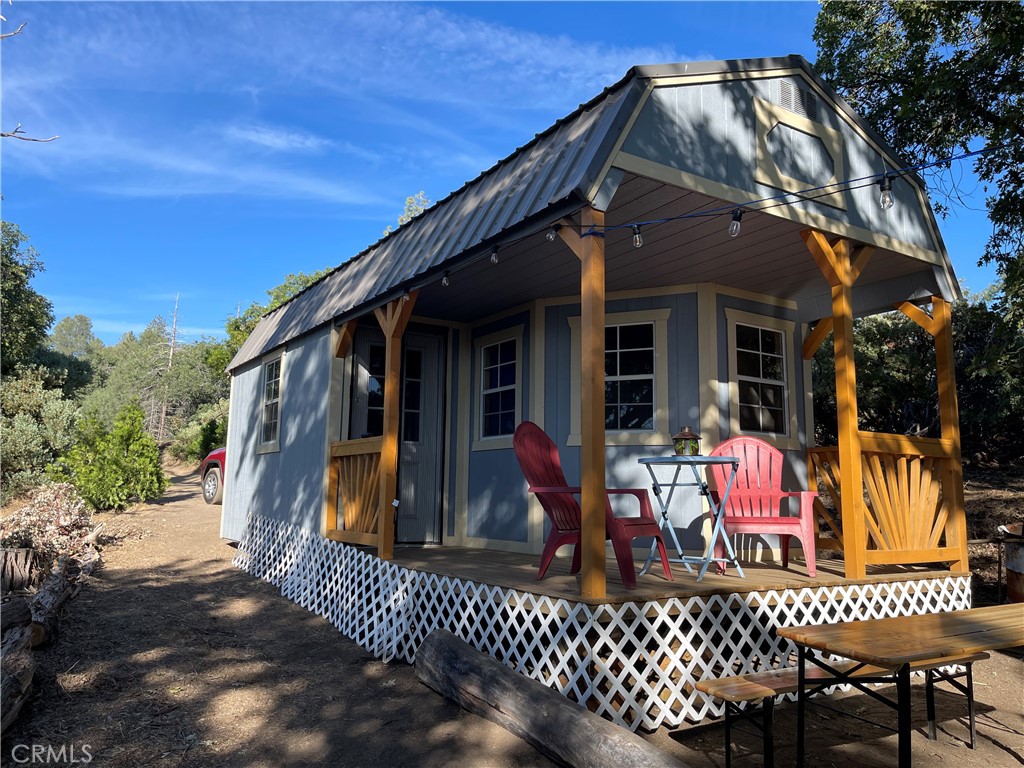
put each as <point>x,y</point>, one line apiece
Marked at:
<point>353,507</point>
<point>908,505</point>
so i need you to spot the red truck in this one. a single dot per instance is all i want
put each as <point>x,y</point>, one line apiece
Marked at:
<point>212,473</point>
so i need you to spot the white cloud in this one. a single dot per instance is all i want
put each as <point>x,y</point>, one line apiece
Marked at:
<point>280,139</point>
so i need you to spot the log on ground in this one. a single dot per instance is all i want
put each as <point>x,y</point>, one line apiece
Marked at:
<point>554,725</point>
<point>14,613</point>
<point>46,606</point>
<point>17,666</point>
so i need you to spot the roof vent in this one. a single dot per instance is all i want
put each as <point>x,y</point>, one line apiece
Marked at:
<point>798,100</point>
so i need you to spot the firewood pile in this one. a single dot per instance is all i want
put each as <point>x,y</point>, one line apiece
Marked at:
<point>30,615</point>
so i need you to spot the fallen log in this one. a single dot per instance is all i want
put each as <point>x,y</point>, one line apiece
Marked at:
<point>17,569</point>
<point>14,613</point>
<point>554,725</point>
<point>17,667</point>
<point>46,605</point>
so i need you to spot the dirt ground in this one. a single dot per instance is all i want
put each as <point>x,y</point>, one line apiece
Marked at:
<point>172,657</point>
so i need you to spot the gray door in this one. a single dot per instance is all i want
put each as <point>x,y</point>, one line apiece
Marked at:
<point>420,428</point>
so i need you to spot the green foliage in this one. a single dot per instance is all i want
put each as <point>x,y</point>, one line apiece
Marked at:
<point>25,313</point>
<point>936,79</point>
<point>897,388</point>
<point>36,424</point>
<point>207,430</point>
<point>53,522</point>
<point>112,468</point>
<point>239,327</point>
<point>414,206</point>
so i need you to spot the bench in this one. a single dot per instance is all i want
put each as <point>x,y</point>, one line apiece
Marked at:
<point>765,686</point>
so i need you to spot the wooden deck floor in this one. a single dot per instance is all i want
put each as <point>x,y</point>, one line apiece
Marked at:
<point>519,572</point>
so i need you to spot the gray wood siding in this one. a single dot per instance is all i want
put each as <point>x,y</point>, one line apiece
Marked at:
<point>708,130</point>
<point>288,484</point>
<point>497,503</point>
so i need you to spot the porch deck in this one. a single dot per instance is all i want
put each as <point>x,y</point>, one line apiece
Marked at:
<point>518,571</point>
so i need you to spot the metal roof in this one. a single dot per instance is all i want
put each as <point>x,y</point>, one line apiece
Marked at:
<point>535,186</point>
<point>543,181</point>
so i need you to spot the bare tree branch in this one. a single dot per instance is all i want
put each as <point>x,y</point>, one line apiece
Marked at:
<point>5,35</point>
<point>17,133</point>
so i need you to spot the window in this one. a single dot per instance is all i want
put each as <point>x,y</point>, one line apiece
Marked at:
<point>635,378</point>
<point>762,379</point>
<point>629,376</point>
<point>761,374</point>
<point>498,389</point>
<point>271,416</point>
<point>376,370</point>
<point>498,402</point>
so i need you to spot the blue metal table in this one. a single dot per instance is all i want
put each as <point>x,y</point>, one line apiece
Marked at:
<point>695,463</point>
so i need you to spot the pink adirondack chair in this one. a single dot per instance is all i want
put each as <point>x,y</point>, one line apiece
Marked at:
<point>755,501</point>
<point>542,467</point>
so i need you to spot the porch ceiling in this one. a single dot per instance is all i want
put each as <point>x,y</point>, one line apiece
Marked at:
<point>769,258</point>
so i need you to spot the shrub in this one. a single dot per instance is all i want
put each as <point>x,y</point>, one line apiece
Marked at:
<point>207,430</point>
<point>110,469</point>
<point>53,522</point>
<point>36,425</point>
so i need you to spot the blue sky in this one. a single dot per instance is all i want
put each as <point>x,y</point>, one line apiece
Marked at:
<point>209,149</point>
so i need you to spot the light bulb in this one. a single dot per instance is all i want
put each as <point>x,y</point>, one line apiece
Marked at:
<point>494,255</point>
<point>885,198</point>
<point>734,225</point>
<point>445,280</point>
<point>406,296</point>
<point>638,239</point>
<point>552,234</point>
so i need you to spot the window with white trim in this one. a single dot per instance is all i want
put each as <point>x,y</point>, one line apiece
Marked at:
<point>629,376</point>
<point>636,378</point>
<point>270,425</point>
<point>761,379</point>
<point>499,388</point>
<point>498,366</point>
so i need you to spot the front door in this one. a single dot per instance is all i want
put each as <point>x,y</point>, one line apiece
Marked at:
<point>420,428</point>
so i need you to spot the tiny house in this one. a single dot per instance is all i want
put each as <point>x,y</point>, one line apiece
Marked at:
<point>671,253</point>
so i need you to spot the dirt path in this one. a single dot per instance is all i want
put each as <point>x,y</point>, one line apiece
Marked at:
<point>172,657</point>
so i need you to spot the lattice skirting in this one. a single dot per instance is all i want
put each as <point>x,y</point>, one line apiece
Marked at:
<point>633,663</point>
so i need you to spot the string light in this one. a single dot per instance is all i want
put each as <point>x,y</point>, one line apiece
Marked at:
<point>494,255</point>
<point>445,280</point>
<point>638,239</point>
<point>734,225</point>
<point>885,198</point>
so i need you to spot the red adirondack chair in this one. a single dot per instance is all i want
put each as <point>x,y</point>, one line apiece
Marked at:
<point>755,501</point>
<point>539,460</point>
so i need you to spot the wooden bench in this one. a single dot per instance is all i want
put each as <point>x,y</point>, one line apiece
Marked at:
<point>765,686</point>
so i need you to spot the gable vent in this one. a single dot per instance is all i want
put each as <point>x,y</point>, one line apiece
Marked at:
<point>798,100</point>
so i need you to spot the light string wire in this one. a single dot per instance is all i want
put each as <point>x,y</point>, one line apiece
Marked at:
<point>803,195</point>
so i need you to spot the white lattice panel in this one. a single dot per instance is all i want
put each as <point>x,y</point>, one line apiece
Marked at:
<point>635,663</point>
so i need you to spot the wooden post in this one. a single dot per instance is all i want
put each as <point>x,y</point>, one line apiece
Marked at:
<point>940,327</point>
<point>949,412</point>
<point>393,319</point>
<point>842,268</point>
<point>590,251</point>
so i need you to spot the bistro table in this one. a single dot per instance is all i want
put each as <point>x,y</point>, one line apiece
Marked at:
<point>893,644</point>
<point>717,510</point>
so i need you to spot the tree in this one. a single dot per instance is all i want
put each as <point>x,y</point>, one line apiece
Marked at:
<point>243,324</point>
<point>414,206</point>
<point>73,336</point>
<point>24,314</point>
<point>937,79</point>
<point>36,425</point>
<point>112,468</point>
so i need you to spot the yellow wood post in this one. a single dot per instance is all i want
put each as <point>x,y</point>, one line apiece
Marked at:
<point>393,318</point>
<point>331,511</point>
<point>590,251</point>
<point>841,268</point>
<point>949,413</point>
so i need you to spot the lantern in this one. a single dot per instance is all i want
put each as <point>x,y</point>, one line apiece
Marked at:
<point>686,442</point>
